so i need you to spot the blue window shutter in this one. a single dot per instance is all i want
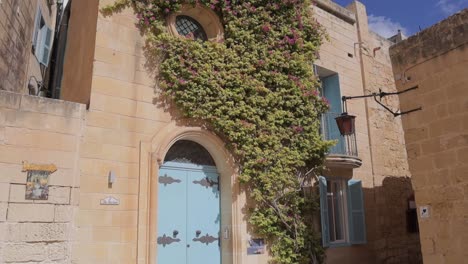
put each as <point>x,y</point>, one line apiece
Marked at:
<point>43,48</point>
<point>331,91</point>
<point>37,26</point>
<point>357,224</point>
<point>324,211</point>
<point>47,46</point>
<point>38,49</point>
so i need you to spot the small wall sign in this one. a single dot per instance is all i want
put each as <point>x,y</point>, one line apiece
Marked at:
<point>37,182</point>
<point>256,246</point>
<point>110,201</point>
<point>424,211</point>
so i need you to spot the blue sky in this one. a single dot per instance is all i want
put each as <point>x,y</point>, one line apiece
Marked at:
<point>387,16</point>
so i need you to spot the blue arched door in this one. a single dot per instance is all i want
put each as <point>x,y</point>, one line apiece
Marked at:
<point>188,209</point>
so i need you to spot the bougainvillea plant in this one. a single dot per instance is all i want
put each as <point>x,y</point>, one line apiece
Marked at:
<point>257,90</point>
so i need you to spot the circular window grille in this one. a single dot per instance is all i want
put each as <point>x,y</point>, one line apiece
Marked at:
<point>186,25</point>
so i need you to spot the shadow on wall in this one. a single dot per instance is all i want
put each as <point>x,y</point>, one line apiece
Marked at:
<point>389,240</point>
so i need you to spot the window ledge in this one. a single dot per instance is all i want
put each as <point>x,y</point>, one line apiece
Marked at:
<point>343,161</point>
<point>337,245</point>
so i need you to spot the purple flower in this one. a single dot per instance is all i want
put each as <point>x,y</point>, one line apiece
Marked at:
<point>325,101</point>
<point>297,129</point>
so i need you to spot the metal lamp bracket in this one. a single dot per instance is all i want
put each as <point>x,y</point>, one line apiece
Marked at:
<point>381,95</point>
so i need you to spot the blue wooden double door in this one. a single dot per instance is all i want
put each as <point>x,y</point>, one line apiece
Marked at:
<point>188,214</point>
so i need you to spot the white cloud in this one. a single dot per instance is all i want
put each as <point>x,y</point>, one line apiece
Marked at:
<point>449,7</point>
<point>385,27</point>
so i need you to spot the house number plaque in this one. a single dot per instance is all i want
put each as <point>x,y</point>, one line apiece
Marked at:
<point>110,201</point>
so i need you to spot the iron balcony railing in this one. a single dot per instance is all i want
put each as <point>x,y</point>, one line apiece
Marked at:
<point>345,145</point>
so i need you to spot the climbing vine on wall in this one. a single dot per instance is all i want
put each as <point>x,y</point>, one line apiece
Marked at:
<point>256,89</point>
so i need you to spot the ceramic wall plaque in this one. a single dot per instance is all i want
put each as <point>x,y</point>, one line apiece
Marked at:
<point>37,182</point>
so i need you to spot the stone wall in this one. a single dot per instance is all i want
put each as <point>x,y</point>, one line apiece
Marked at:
<point>16,26</point>
<point>127,129</point>
<point>437,140</point>
<point>121,115</point>
<point>79,56</point>
<point>17,61</point>
<point>387,201</point>
<point>340,55</point>
<point>38,131</point>
<point>361,59</point>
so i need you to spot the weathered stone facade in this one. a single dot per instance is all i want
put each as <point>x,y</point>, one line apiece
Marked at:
<point>436,60</point>
<point>362,60</point>
<point>125,132</point>
<point>17,60</point>
<point>43,131</point>
<point>16,25</point>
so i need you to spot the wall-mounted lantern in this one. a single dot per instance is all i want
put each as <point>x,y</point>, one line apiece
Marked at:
<point>345,122</point>
<point>111,179</point>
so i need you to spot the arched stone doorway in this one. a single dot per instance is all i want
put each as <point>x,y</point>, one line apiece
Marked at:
<point>189,214</point>
<point>152,157</point>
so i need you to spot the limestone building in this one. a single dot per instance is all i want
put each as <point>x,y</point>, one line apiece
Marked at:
<point>436,60</point>
<point>109,152</point>
<point>26,34</point>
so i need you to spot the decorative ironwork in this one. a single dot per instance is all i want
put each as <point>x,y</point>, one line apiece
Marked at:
<point>168,180</point>
<point>186,25</point>
<point>380,95</point>
<point>186,151</point>
<point>206,239</point>
<point>165,240</point>
<point>345,145</point>
<point>206,182</point>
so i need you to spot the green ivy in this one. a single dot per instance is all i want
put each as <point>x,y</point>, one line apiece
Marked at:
<point>256,89</point>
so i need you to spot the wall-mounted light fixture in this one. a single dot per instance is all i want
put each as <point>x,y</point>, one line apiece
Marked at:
<point>111,179</point>
<point>345,122</point>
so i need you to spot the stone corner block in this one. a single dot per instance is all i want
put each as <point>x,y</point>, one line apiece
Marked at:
<point>37,232</point>
<point>23,212</point>
<point>51,106</point>
<point>10,99</point>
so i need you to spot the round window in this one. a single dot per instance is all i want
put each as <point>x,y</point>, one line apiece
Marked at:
<point>186,25</point>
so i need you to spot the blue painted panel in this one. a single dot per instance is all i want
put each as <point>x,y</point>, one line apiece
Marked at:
<point>172,215</point>
<point>203,218</point>
<point>324,211</point>
<point>188,201</point>
<point>356,213</point>
<point>331,91</point>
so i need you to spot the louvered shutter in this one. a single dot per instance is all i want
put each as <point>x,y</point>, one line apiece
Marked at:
<point>38,49</point>
<point>37,27</point>
<point>357,224</point>
<point>46,45</point>
<point>324,211</point>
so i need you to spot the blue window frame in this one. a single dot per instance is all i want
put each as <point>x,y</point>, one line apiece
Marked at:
<point>342,212</point>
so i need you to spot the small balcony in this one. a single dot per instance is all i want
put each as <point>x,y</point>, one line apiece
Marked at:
<point>344,153</point>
